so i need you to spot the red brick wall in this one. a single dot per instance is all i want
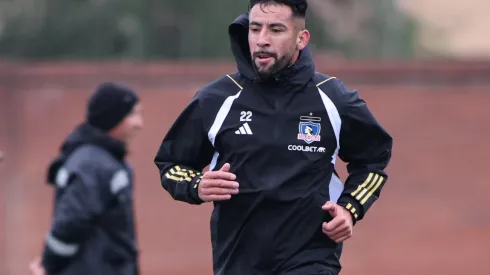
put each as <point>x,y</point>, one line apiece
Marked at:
<point>432,215</point>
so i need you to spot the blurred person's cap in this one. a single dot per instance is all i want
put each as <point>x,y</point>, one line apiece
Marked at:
<point>109,105</point>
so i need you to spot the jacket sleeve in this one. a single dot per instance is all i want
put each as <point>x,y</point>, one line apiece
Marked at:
<point>81,203</point>
<point>366,148</point>
<point>184,152</point>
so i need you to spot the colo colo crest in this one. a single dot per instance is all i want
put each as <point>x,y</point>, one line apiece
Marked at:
<point>309,129</point>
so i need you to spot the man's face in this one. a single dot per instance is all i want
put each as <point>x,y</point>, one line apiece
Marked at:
<point>128,128</point>
<point>275,37</point>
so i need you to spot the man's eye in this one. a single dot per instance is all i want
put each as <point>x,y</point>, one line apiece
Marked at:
<point>276,30</point>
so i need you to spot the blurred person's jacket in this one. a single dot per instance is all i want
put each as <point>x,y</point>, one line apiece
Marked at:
<point>93,230</point>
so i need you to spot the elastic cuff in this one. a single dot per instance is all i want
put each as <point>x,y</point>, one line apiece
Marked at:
<point>194,190</point>
<point>353,206</point>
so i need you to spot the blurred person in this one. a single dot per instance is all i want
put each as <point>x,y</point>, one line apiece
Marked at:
<point>271,134</point>
<point>93,227</point>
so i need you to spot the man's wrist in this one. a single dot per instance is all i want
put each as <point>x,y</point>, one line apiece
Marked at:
<point>351,216</point>
<point>352,207</point>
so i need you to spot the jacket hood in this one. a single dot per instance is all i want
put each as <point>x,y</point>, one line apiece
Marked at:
<point>297,74</point>
<point>84,134</point>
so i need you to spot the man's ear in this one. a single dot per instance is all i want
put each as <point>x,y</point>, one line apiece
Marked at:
<point>302,39</point>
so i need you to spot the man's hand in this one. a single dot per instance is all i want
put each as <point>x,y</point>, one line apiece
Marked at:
<point>36,267</point>
<point>339,228</point>
<point>218,185</point>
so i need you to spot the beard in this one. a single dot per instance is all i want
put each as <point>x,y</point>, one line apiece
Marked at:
<point>277,64</point>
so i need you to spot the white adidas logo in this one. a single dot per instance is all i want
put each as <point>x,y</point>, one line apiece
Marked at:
<point>244,130</point>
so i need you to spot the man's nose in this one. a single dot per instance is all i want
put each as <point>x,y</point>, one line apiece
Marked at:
<point>139,123</point>
<point>263,40</point>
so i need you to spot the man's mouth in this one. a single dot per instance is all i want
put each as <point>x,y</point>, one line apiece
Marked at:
<point>263,56</point>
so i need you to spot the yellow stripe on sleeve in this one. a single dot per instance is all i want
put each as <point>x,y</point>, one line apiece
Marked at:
<point>184,176</point>
<point>178,174</point>
<point>364,190</point>
<point>351,208</point>
<point>368,179</point>
<point>169,176</point>
<point>370,193</point>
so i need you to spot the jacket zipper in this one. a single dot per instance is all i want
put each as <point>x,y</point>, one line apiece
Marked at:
<point>277,114</point>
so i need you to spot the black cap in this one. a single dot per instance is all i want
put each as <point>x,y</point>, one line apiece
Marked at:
<point>109,105</point>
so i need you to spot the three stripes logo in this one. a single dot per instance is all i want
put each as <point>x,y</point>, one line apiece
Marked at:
<point>368,188</point>
<point>244,130</point>
<point>178,174</point>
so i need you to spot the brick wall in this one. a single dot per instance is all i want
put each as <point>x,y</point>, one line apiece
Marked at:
<point>431,218</point>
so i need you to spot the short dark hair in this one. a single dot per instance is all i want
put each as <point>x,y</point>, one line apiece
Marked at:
<point>299,7</point>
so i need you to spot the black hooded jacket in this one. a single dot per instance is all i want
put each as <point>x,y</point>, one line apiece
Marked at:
<point>93,229</point>
<point>281,137</point>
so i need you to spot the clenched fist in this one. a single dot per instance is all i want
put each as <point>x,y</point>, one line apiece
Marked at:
<point>218,185</point>
<point>339,228</point>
